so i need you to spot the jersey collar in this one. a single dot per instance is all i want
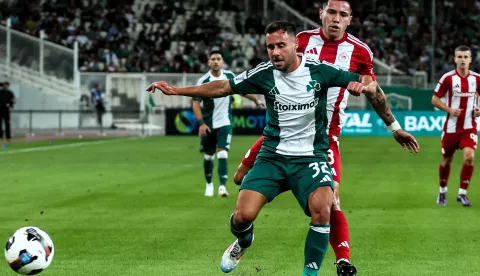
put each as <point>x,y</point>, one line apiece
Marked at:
<point>213,77</point>
<point>463,77</point>
<point>322,35</point>
<point>299,68</point>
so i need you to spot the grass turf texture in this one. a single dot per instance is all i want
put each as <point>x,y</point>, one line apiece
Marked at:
<point>136,207</point>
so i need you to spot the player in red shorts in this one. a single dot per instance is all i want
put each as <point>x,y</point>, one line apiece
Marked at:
<point>459,90</point>
<point>331,43</point>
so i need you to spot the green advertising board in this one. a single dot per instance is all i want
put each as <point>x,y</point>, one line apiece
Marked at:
<point>404,98</point>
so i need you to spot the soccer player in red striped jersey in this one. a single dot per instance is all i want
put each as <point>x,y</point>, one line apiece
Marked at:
<point>456,94</point>
<point>333,44</point>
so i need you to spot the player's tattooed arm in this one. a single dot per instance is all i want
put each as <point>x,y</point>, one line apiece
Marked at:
<point>378,100</point>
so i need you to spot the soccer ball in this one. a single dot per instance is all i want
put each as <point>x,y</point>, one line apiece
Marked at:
<point>29,251</point>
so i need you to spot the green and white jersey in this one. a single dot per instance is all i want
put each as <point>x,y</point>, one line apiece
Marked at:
<point>216,112</point>
<point>296,104</point>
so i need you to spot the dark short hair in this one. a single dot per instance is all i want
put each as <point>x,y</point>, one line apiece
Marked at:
<point>281,25</point>
<point>214,52</point>
<point>462,48</point>
<point>348,1</point>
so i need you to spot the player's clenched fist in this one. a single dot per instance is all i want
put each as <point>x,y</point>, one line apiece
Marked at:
<point>356,88</point>
<point>455,112</point>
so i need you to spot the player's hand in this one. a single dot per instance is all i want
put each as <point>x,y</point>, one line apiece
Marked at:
<point>203,130</point>
<point>162,86</point>
<point>477,111</point>
<point>355,88</point>
<point>260,104</point>
<point>406,140</point>
<point>455,112</point>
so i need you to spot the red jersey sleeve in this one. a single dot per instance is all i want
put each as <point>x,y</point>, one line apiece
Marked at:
<point>303,39</point>
<point>442,87</point>
<point>366,62</point>
<point>252,153</point>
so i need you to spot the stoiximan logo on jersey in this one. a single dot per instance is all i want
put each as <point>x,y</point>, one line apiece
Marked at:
<point>278,106</point>
<point>463,94</point>
<point>313,85</point>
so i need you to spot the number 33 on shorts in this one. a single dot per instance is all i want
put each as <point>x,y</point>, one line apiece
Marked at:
<point>321,167</point>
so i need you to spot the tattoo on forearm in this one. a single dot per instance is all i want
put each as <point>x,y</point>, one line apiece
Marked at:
<point>379,103</point>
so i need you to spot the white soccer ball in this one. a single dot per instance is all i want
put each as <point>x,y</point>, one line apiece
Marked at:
<point>29,251</point>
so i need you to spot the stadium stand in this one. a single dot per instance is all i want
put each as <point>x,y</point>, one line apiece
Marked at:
<point>175,36</point>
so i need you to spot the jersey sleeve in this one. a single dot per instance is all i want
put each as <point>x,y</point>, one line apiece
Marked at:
<point>230,75</point>
<point>337,77</point>
<point>365,58</point>
<point>302,42</point>
<point>252,153</point>
<point>248,82</point>
<point>442,87</point>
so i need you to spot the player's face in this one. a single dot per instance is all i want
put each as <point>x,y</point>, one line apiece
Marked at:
<point>463,59</point>
<point>282,49</point>
<point>215,62</point>
<point>335,18</point>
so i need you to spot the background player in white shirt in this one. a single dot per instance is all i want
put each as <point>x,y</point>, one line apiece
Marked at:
<point>215,121</point>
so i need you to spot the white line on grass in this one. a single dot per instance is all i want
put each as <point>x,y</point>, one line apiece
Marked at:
<point>66,146</point>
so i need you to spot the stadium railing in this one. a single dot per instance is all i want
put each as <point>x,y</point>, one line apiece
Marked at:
<point>36,62</point>
<point>127,90</point>
<point>34,124</point>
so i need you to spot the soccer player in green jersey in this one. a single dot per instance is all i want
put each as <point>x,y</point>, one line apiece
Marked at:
<point>294,153</point>
<point>215,124</point>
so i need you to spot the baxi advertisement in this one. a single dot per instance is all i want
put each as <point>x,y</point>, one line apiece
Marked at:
<point>356,123</point>
<point>418,123</point>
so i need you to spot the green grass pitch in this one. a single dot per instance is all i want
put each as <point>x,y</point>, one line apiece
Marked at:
<point>136,207</point>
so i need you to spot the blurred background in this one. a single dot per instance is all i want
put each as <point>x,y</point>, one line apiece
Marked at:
<point>56,53</point>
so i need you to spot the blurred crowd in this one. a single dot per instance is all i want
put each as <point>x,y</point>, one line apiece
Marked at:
<point>115,36</point>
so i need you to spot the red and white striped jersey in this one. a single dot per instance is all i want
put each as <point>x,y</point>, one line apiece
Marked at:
<point>459,92</point>
<point>348,53</point>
